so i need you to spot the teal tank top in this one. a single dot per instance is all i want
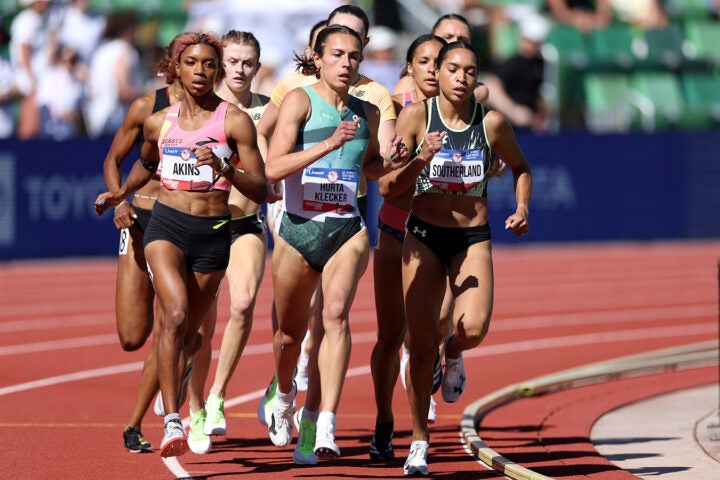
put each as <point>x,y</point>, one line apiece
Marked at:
<point>328,187</point>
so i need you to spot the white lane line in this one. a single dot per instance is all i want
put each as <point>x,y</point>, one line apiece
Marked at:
<point>500,349</point>
<point>498,324</point>
<point>35,347</point>
<point>72,377</point>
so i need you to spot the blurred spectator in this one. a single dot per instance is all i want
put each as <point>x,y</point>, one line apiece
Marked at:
<point>80,30</point>
<point>379,61</point>
<point>267,75</point>
<point>645,14</point>
<point>30,47</point>
<point>714,7</point>
<point>8,92</point>
<point>515,83</point>
<point>59,96</point>
<point>115,76</point>
<point>585,15</point>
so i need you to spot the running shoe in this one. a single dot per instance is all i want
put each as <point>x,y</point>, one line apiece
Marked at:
<point>215,423</point>
<point>437,374</point>
<point>197,440</point>
<point>416,463</point>
<point>325,446</point>
<point>432,415</point>
<point>174,441</point>
<point>305,449</point>
<point>453,382</point>
<point>134,441</point>
<point>267,402</point>
<point>297,417</point>
<point>281,422</point>
<point>159,407</point>
<point>381,448</point>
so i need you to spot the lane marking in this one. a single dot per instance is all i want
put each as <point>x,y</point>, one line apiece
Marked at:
<point>499,349</point>
<point>496,325</point>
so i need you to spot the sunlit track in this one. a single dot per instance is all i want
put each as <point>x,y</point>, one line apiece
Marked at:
<point>556,307</point>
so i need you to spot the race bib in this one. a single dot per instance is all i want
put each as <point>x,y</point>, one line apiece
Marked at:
<point>180,173</point>
<point>124,241</point>
<point>330,190</point>
<point>456,170</point>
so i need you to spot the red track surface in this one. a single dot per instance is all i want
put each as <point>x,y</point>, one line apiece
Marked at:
<point>67,388</point>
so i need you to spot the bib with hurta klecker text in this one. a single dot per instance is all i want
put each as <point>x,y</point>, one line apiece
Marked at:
<point>456,170</point>
<point>330,190</point>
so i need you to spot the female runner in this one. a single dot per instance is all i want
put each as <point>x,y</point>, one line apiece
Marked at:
<point>454,139</point>
<point>324,141</point>
<point>187,243</point>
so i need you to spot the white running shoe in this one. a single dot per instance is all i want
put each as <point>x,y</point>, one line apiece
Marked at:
<point>325,446</point>
<point>432,416</point>
<point>174,442</point>
<point>304,453</point>
<point>453,381</point>
<point>159,407</point>
<point>197,440</point>
<point>267,402</point>
<point>297,417</point>
<point>416,463</point>
<point>281,423</point>
<point>215,423</point>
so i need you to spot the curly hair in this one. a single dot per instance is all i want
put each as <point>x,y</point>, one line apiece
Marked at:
<point>186,39</point>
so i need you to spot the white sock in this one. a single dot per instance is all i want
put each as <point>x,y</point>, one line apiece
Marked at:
<point>286,399</point>
<point>172,416</point>
<point>326,419</point>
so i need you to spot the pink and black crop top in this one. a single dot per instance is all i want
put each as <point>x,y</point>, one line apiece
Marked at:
<point>177,160</point>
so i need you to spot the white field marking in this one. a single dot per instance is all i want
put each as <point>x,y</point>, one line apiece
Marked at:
<point>55,323</point>
<point>72,377</point>
<point>500,349</point>
<point>498,324</point>
<point>591,338</point>
<point>59,344</point>
<point>173,464</point>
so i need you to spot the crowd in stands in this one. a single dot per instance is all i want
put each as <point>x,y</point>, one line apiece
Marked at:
<point>68,70</point>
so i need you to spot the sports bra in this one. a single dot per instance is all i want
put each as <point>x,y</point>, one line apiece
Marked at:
<point>177,160</point>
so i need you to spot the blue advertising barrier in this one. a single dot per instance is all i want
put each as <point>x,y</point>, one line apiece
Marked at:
<point>586,188</point>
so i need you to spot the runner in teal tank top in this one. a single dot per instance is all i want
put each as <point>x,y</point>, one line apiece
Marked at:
<point>323,142</point>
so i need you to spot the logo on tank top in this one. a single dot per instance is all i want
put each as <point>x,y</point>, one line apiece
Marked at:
<point>205,142</point>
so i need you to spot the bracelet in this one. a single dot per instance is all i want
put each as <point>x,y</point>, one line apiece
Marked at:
<point>327,145</point>
<point>124,202</point>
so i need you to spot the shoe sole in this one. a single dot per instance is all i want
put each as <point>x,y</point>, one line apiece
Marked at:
<point>140,450</point>
<point>415,472</point>
<point>326,453</point>
<point>216,431</point>
<point>300,460</point>
<point>175,448</point>
<point>200,451</point>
